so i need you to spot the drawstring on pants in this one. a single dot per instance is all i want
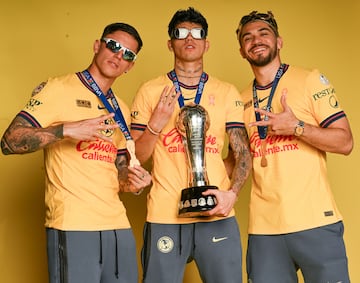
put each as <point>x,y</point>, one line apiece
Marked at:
<point>101,254</point>
<point>116,256</point>
<point>180,245</point>
<point>116,253</point>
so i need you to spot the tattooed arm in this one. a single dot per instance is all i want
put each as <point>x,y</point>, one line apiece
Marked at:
<point>21,137</point>
<point>229,162</point>
<point>131,179</point>
<point>241,159</point>
<point>240,149</point>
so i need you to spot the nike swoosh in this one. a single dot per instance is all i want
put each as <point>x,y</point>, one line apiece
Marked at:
<point>101,108</point>
<point>261,100</point>
<point>215,240</point>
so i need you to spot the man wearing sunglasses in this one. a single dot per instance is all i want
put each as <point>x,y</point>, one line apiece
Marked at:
<point>89,238</point>
<point>293,118</point>
<point>212,239</point>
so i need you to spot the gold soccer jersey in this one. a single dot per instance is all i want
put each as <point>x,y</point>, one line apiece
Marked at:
<point>170,174</point>
<point>81,177</point>
<point>292,193</point>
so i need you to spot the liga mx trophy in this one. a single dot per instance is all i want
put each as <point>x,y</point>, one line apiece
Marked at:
<point>192,124</point>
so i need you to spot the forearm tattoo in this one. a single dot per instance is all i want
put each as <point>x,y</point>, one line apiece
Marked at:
<point>21,137</point>
<point>239,143</point>
<point>122,166</point>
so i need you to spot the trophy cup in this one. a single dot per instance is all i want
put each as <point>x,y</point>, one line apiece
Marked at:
<point>192,124</point>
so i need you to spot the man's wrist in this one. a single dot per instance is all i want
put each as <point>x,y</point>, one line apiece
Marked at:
<point>59,131</point>
<point>153,131</point>
<point>234,191</point>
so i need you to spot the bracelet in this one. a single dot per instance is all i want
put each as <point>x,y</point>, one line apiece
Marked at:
<point>151,130</point>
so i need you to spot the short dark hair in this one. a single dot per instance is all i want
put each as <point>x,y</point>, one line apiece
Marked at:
<point>189,15</point>
<point>125,28</point>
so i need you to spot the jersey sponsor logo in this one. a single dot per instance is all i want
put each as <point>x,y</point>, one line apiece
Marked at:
<point>323,93</point>
<point>32,104</point>
<point>263,99</point>
<point>83,103</point>
<point>248,104</point>
<point>101,107</point>
<point>239,103</point>
<point>328,213</point>
<point>189,98</point>
<point>275,144</point>
<point>216,240</point>
<point>173,141</point>
<point>333,102</point>
<point>98,150</point>
<point>165,244</point>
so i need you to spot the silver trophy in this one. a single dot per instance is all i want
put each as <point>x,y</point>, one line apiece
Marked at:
<point>192,124</point>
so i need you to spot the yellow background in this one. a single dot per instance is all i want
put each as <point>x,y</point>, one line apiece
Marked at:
<point>47,38</point>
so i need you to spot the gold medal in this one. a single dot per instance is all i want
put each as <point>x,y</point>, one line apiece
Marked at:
<point>263,153</point>
<point>130,145</point>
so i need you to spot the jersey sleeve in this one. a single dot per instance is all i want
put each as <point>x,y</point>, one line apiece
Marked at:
<point>322,97</point>
<point>235,109</point>
<point>38,111</point>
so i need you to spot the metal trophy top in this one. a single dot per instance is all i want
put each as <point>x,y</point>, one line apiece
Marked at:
<point>192,123</point>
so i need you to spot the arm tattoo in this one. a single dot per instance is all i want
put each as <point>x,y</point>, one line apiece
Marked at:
<point>239,143</point>
<point>122,166</point>
<point>21,137</point>
<point>38,88</point>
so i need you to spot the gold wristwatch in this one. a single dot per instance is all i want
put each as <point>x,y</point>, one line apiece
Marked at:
<point>299,128</point>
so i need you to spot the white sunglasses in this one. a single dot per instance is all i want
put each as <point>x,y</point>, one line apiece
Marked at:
<point>116,47</point>
<point>182,33</point>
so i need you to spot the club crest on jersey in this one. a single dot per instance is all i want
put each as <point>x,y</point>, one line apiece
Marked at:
<point>134,114</point>
<point>165,244</point>
<point>108,132</point>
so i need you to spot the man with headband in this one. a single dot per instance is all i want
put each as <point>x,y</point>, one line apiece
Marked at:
<point>293,118</point>
<point>212,239</point>
<point>89,238</point>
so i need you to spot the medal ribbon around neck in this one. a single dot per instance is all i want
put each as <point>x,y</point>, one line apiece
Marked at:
<point>262,130</point>
<point>178,90</point>
<point>119,117</point>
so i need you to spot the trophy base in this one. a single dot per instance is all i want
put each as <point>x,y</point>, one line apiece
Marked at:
<point>193,203</point>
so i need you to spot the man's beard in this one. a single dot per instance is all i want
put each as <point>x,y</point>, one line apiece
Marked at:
<point>263,61</point>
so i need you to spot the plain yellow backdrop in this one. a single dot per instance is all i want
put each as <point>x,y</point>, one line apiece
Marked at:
<point>47,38</point>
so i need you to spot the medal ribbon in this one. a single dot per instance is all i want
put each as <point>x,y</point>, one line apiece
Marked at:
<point>262,130</point>
<point>119,117</point>
<point>199,91</point>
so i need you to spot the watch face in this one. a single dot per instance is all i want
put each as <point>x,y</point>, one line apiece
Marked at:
<point>299,129</point>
